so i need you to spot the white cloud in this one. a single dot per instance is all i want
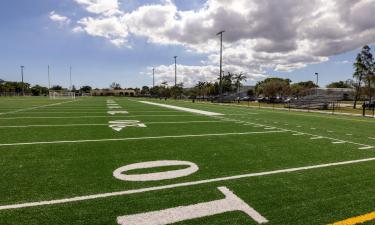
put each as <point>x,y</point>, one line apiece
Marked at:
<point>282,35</point>
<point>106,7</point>
<point>109,27</point>
<point>59,18</point>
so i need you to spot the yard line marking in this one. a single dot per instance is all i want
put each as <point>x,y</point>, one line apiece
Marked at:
<point>105,124</point>
<point>363,146</point>
<point>339,142</point>
<point>206,113</point>
<point>298,134</point>
<point>78,117</point>
<point>185,184</point>
<point>357,220</point>
<point>372,138</point>
<point>140,138</point>
<point>316,138</point>
<point>36,107</point>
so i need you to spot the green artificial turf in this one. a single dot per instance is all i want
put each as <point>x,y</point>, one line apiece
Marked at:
<point>221,146</point>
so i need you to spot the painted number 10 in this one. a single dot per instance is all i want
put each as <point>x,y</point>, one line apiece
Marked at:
<point>173,215</point>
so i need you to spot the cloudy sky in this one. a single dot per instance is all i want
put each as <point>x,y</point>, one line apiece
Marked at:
<point>121,40</point>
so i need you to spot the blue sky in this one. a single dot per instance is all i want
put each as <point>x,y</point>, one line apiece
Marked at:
<point>31,38</point>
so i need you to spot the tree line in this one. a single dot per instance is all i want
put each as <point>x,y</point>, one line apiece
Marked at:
<point>36,90</point>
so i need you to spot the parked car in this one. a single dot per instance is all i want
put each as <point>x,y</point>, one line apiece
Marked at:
<point>225,99</point>
<point>369,104</point>
<point>262,100</point>
<point>248,99</point>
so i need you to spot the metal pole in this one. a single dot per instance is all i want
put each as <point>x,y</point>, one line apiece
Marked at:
<point>175,71</point>
<point>317,82</point>
<point>49,81</point>
<point>221,65</point>
<point>23,86</point>
<point>70,78</point>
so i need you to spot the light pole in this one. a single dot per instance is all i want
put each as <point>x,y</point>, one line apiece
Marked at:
<point>175,71</point>
<point>23,86</point>
<point>70,78</point>
<point>49,79</point>
<point>221,64</point>
<point>317,82</point>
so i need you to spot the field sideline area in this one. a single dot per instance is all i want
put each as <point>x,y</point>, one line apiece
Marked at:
<point>100,160</point>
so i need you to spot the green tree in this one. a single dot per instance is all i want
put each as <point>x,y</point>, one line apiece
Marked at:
<point>115,86</point>
<point>38,90</point>
<point>85,89</point>
<point>251,93</point>
<point>238,79</point>
<point>340,84</point>
<point>57,88</point>
<point>145,90</point>
<point>273,87</point>
<point>363,72</point>
<point>302,88</point>
<point>176,91</point>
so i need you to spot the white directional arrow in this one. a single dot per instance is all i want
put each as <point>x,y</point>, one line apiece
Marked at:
<point>119,125</point>
<point>117,112</point>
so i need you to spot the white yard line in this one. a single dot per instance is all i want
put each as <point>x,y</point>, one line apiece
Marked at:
<point>206,113</point>
<point>35,107</point>
<point>185,184</point>
<point>106,124</point>
<point>140,138</point>
<point>298,133</point>
<point>79,117</point>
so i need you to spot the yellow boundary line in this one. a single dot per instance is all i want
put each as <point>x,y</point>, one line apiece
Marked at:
<point>356,220</point>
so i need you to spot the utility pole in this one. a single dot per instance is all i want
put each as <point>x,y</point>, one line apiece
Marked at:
<point>221,64</point>
<point>49,79</point>
<point>317,82</point>
<point>175,71</point>
<point>153,77</point>
<point>23,86</point>
<point>70,78</point>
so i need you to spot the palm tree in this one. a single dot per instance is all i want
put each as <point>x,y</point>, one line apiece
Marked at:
<point>200,87</point>
<point>238,79</point>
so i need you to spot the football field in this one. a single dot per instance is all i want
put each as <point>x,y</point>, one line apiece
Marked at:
<point>136,161</point>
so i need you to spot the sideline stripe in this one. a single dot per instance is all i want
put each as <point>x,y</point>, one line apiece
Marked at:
<point>185,184</point>
<point>106,124</point>
<point>141,138</point>
<point>357,220</point>
<point>206,113</point>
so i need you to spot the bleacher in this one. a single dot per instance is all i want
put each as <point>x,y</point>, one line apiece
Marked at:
<point>320,99</point>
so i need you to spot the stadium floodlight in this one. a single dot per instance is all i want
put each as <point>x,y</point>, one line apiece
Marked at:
<point>23,86</point>
<point>175,71</point>
<point>221,64</point>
